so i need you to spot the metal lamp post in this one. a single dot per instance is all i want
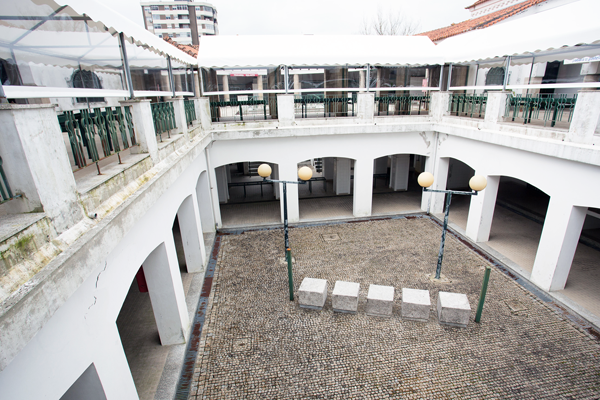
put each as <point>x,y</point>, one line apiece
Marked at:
<point>304,173</point>
<point>425,179</point>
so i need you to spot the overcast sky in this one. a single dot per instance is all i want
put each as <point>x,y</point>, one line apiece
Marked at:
<point>319,17</point>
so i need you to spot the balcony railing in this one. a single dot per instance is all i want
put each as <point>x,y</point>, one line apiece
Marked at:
<point>241,110</point>
<point>318,105</point>
<point>111,129</point>
<point>467,105</point>
<point>190,111</point>
<point>163,115</point>
<point>542,108</point>
<point>5,192</point>
<point>402,105</point>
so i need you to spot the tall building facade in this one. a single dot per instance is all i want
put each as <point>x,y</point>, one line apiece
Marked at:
<point>182,20</point>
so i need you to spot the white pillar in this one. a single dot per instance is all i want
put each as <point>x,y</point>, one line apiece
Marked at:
<point>275,175</point>
<point>204,203</point>
<point>440,176</point>
<point>399,172</point>
<point>297,85</point>
<point>259,84</point>
<point>285,109</point>
<point>481,211</point>
<point>341,175</point>
<point>366,106</point>
<point>214,190</point>
<point>204,114</point>
<point>363,187</point>
<point>197,111</point>
<point>222,183</point>
<point>225,80</point>
<point>495,107</point>
<point>585,117</point>
<point>180,121</point>
<point>440,101</point>
<point>289,172</point>
<point>36,163</point>
<point>161,270</point>
<point>143,124</point>
<point>112,367</point>
<point>560,235</point>
<point>191,234</point>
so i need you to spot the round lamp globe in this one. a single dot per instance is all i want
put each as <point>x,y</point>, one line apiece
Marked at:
<point>478,183</point>
<point>305,173</point>
<point>264,170</point>
<point>425,179</point>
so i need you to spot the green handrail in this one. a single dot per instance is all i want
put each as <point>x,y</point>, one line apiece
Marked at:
<point>468,105</point>
<point>404,104</point>
<point>528,107</point>
<point>327,104</point>
<point>215,106</point>
<point>190,111</point>
<point>163,115</point>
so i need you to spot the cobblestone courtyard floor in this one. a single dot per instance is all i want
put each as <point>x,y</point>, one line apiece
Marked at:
<point>256,344</point>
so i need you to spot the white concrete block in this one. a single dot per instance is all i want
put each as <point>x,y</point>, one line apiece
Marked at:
<point>345,297</point>
<point>453,309</point>
<point>312,293</point>
<point>380,300</point>
<point>415,304</point>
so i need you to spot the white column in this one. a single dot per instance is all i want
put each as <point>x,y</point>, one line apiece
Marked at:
<point>259,84</point>
<point>481,211</point>
<point>440,102</point>
<point>222,183</point>
<point>204,203</point>
<point>191,234</point>
<point>36,163</point>
<point>166,293</point>
<point>289,172</point>
<point>495,107</point>
<point>214,190</point>
<point>285,109</point>
<point>112,367</point>
<point>585,117</point>
<point>180,120</point>
<point>341,175</point>
<point>204,114</point>
<point>363,187</point>
<point>560,235</point>
<point>225,79</point>
<point>297,85</point>
<point>399,172</point>
<point>143,125</point>
<point>366,106</point>
<point>197,111</point>
<point>440,176</point>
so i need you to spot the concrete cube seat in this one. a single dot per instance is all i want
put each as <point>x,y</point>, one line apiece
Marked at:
<point>380,300</point>
<point>453,309</point>
<point>312,293</point>
<point>345,297</point>
<point>415,304</point>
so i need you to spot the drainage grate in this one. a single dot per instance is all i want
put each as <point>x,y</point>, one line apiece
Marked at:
<point>515,306</point>
<point>331,237</point>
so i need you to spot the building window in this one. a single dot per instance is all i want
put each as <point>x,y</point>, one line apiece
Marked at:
<point>147,9</point>
<point>189,34</point>
<point>168,17</point>
<point>155,8</point>
<point>167,8</point>
<point>84,79</point>
<point>183,8</point>
<point>209,9</point>
<point>160,36</point>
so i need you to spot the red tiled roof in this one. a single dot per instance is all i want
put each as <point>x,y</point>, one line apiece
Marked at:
<point>480,22</point>
<point>192,50</point>
<point>478,2</point>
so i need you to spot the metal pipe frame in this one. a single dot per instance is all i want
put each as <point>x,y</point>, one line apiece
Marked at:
<point>171,80</point>
<point>125,65</point>
<point>506,74</point>
<point>438,270</point>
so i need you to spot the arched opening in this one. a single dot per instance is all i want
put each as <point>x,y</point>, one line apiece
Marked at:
<point>244,199</point>
<point>395,187</point>
<point>329,193</point>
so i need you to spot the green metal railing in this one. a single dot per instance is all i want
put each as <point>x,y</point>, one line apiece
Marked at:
<point>403,105</point>
<point>163,115</point>
<point>468,105</point>
<point>231,110</point>
<point>542,107</point>
<point>338,106</point>
<point>190,111</point>
<point>5,192</point>
<point>112,126</point>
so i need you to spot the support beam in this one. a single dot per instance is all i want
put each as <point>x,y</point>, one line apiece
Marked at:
<point>560,236</point>
<point>141,113</point>
<point>481,211</point>
<point>342,171</point>
<point>191,234</point>
<point>289,172</point>
<point>399,172</point>
<point>363,187</point>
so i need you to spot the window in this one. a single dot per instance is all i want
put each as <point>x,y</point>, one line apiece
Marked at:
<point>167,8</point>
<point>209,9</point>
<point>168,17</point>
<point>88,80</point>
<point>198,17</point>
<point>181,16</point>
<point>183,8</point>
<point>189,34</point>
<point>155,8</point>
<point>160,36</point>
<point>198,8</point>
<point>157,26</point>
<point>147,9</point>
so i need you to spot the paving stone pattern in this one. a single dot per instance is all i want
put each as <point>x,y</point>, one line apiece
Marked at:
<point>256,344</point>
